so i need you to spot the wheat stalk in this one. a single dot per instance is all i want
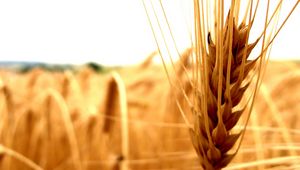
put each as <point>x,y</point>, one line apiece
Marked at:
<point>221,71</point>
<point>6,151</point>
<point>49,98</point>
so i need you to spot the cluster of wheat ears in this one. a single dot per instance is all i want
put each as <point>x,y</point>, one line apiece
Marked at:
<point>87,120</point>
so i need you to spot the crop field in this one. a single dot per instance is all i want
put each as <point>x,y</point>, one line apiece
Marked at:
<point>127,118</point>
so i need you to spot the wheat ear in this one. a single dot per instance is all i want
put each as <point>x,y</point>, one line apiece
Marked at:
<point>223,89</point>
<point>217,83</point>
<point>220,79</point>
<point>220,69</point>
<point>116,102</point>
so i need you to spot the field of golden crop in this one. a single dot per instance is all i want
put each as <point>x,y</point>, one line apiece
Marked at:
<point>128,119</point>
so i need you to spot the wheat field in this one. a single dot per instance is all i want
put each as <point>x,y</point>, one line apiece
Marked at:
<point>213,107</point>
<point>75,120</point>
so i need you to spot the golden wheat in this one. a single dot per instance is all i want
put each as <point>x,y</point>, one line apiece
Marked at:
<point>48,124</point>
<point>220,73</point>
<point>214,112</point>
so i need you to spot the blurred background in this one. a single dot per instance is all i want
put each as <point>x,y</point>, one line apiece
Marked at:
<point>114,32</point>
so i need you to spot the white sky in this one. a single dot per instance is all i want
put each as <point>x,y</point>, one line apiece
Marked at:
<point>105,31</point>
